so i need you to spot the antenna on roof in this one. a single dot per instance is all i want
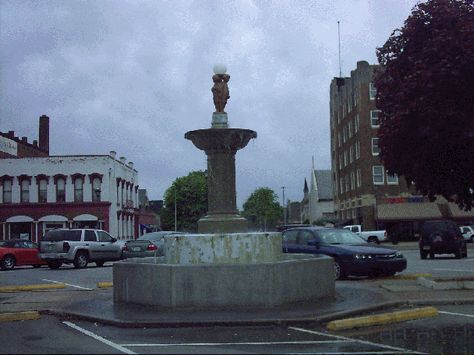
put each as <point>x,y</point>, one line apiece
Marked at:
<point>340,79</point>
<point>339,41</point>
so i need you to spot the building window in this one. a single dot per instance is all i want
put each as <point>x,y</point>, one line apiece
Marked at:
<point>7,191</point>
<point>60,190</point>
<point>358,178</point>
<point>351,154</point>
<point>372,91</point>
<point>339,138</point>
<point>349,127</point>
<point>340,161</point>
<point>341,185</point>
<point>356,123</point>
<point>96,189</point>
<point>345,158</point>
<point>344,134</point>
<point>42,190</point>
<point>348,186</point>
<point>78,189</point>
<point>374,118</point>
<point>357,150</point>
<point>25,190</point>
<point>375,146</point>
<point>352,180</point>
<point>377,174</point>
<point>392,179</point>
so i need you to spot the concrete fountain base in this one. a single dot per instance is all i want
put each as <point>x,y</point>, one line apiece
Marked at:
<point>223,270</point>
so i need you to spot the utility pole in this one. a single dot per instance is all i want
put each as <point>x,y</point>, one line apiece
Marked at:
<point>175,212</point>
<point>284,209</point>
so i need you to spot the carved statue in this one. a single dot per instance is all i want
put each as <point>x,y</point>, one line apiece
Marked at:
<point>220,90</point>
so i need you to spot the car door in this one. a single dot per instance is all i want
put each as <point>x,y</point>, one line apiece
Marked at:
<point>109,249</point>
<point>307,242</point>
<point>30,251</point>
<point>91,241</point>
<point>21,253</point>
<point>289,241</point>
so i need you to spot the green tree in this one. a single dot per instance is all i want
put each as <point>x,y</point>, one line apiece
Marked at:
<point>191,202</point>
<point>262,208</point>
<point>424,92</point>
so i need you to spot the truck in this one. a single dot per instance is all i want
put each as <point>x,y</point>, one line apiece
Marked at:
<point>368,236</point>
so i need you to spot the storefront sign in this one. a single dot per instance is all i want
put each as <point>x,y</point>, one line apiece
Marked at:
<point>8,146</point>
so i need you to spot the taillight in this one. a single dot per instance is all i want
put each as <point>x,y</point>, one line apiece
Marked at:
<point>151,247</point>
<point>124,248</point>
<point>66,247</point>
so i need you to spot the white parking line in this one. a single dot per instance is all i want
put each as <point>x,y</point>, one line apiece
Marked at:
<point>99,338</point>
<point>365,342</point>
<point>456,270</point>
<point>309,342</point>
<point>457,314</point>
<point>63,283</point>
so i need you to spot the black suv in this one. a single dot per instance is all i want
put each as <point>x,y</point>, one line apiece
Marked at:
<point>441,237</point>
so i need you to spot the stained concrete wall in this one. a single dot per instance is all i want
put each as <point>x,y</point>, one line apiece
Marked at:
<point>295,278</point>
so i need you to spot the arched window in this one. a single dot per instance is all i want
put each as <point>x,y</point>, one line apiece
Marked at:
<point>60,190</point>
<point>43,191</point>
<point>25,190</point>
<point>96,189</point>
<point>78,189</point>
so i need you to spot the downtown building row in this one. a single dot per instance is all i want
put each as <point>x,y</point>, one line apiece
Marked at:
<point>364,192</point>
<point>39,192</point>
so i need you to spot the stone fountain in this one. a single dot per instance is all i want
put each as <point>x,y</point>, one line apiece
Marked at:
<point>223,265</point>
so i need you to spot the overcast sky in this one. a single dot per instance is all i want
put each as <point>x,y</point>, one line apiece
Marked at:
<point>134,76</point>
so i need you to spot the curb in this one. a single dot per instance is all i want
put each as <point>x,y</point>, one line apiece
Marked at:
<point>310,320</point>
<point>381,319</point>
<point>407,277</point>
<point>31,287</point>
<point>27,315</point>
<point>104,284</point>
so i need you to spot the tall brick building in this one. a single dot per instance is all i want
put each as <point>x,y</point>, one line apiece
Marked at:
<point>364,193</point>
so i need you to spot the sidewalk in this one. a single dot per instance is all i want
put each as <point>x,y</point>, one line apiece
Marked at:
<point>353,297</point>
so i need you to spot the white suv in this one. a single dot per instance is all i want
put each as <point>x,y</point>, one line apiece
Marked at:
<point>78,246</point>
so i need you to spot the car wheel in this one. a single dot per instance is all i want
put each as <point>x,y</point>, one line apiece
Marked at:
<point>99,263</point>
<point>8,262</point>
<point>432,255</point>
<point>423,254</point>
<point>81,260</point>
<point>53,265</point>
<point>339,273</point>
<point>373,240</point>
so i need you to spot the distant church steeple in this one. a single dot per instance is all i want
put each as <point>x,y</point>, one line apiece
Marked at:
<point>305,190</point>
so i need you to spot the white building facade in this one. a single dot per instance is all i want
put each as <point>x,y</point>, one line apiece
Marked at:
<point>42,193</point>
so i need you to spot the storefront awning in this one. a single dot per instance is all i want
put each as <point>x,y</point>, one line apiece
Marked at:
<point>85,217</point>
<point>19,219</point>
<point>53,218</point>
<point>456,212</point>
<point>408,211</point>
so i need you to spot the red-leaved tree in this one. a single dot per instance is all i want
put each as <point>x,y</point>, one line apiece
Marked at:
<point>425,90</point>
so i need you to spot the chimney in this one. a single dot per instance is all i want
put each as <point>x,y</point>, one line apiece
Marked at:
<point>11,134</point>
<point>24,139</point>
<point>113,154</point>
<point>123,160</point>
<point>44,133</point>
<point>130,164</point>
<point>35,143</point>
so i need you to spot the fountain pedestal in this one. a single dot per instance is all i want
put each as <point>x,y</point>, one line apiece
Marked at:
<point>220,146</point>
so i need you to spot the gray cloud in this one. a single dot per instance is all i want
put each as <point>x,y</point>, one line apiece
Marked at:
<point>134,76</point>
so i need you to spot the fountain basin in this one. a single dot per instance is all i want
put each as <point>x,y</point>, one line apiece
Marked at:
<point>292,278</point>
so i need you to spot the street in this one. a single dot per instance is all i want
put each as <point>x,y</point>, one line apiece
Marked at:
<point>452,331</point>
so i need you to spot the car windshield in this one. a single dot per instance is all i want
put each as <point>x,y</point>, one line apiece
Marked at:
<point>154,236</point>
<point>339,236</point>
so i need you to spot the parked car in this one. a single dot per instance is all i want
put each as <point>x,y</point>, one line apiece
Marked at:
<point>352,255</point>
<point>441,237</point>
<point>467,233</point>
<point>16,252</point>
<point>368,236</point>
<point>150,244</point>
<point>284,227</point>
<point>79,247</point>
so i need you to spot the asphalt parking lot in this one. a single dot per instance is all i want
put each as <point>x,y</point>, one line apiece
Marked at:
<point>451,331</point>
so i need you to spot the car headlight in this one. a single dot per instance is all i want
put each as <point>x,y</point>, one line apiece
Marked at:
<point>362,256</point>
<point>398,254</point>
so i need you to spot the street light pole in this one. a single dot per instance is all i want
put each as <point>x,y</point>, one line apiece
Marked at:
<point>284,210</point>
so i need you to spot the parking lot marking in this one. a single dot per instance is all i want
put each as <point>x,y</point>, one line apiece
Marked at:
<point>365,342</point>
<point>456,270</point>
<point>59,282</point>
<point>308,342</point>
<point>457,314</point>
<point>99,338</point>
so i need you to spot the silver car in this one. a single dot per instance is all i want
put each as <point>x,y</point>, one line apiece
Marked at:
<point>150,244</point>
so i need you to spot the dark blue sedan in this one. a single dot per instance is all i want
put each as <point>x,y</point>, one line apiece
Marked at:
<point>352,255</point>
